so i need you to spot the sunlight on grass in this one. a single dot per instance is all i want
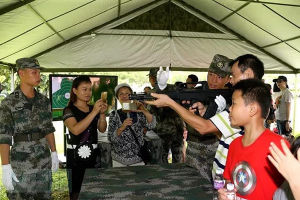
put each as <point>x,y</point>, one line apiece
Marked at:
<point>59,186</point>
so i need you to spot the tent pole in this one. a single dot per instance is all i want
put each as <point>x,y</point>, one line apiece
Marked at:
<point>12,80</point>
<point>295,104</point>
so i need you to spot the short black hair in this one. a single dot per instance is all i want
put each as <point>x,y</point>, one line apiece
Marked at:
<point>254,90</point>
<point>295,146</point>
<point>250,61</point>
<point>193,77</point>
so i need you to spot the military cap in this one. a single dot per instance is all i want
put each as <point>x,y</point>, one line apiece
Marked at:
<point>153,72</point>
<point>220,65</point>
<point>23,63</point>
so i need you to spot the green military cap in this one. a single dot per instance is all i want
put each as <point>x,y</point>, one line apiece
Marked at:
<point>153,72</point>
<point>23,63</point>
<point>220,65</point>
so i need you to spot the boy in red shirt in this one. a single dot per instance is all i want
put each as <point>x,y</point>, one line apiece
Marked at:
<point>247,165</point>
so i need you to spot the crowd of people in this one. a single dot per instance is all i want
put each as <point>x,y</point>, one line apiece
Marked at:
<point>232,136</point>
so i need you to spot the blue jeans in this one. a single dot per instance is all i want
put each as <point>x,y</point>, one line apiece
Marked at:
<point>281,128</point>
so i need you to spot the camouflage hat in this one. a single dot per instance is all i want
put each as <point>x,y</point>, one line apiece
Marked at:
<point>220,65</point>
<point>153,72</point>
<point>23,63</point>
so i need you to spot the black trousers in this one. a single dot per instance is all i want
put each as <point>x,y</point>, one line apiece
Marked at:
<point>76,171</point>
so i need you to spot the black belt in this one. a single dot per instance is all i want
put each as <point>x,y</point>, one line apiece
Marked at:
<point>28,137</point>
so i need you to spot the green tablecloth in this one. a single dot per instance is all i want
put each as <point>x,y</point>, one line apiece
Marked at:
<point>151,182</point>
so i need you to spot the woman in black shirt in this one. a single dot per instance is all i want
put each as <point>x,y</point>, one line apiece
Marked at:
<point>82,120</point>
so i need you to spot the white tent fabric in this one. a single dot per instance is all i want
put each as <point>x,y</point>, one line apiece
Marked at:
<point>75,35</point>
<point>120,49</point>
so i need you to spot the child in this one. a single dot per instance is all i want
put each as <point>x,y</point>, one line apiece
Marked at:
<point>247,165</point>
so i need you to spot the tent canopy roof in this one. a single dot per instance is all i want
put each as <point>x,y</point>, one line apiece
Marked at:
<point>110,35</point>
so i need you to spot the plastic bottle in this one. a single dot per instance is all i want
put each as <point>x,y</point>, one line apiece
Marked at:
<point>219,181</point>
<point>230,191</point>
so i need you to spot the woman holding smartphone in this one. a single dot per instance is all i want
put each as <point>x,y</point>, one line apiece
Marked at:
<point>82,120</point>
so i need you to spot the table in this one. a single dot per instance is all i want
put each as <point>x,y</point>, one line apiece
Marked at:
<point>150,182</point>
<point>105,148</point>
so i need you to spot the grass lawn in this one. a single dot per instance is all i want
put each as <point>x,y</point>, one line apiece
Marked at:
<point>59,186</point>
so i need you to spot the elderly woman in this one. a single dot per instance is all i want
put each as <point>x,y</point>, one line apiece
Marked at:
<point>123,124</point>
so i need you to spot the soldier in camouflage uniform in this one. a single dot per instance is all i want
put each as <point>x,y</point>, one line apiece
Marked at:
<point>25,116</point>
<point>169,125</point>
<point>201,149</point>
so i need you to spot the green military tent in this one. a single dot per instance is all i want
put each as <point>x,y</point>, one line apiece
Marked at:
<point>109,35</point>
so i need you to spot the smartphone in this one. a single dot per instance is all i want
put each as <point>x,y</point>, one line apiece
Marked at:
<point>129,106</point>
<point>104,97</point>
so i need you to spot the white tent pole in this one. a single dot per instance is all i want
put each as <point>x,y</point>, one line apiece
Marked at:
<point>295,103</point>
<point>12,80</point>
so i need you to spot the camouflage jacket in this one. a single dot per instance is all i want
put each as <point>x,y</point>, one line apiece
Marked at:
<point>20,115</point>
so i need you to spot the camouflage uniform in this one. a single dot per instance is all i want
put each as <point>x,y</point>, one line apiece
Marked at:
<point>170,129</point>
<point>28,121</point>
<point>201,149</point>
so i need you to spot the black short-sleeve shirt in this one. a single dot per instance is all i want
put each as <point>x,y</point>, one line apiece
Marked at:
<point>73,111</point>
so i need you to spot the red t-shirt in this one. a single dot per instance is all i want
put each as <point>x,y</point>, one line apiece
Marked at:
<point>249,168</point>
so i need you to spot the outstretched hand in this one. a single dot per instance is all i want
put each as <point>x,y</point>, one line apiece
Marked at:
<point>162,100</point>
<point>162,77</point>
<point>284,161</point>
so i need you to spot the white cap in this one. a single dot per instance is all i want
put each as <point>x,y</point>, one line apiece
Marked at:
<point>120,86</point>
<point>230,186</point>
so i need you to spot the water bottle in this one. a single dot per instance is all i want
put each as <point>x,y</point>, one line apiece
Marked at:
<point>219,181</point>
<point>230,191</point>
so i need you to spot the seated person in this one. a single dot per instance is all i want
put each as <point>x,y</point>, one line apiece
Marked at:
<point>247,164</point>
<point>123,125</point>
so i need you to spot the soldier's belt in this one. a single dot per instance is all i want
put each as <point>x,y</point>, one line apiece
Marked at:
<point>28,137</point>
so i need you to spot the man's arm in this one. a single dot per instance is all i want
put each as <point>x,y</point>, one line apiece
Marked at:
<point>201,125</point>
<point>4,152</point>
<point>51,141</point>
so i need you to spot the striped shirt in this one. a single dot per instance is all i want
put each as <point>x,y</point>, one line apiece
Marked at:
<point>221,121</point>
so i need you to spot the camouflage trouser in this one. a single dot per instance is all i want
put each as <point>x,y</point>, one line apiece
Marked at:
<point>201,157</point>
<point>175,144</point>
<point>31,162</point>
<point>35,186</point>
